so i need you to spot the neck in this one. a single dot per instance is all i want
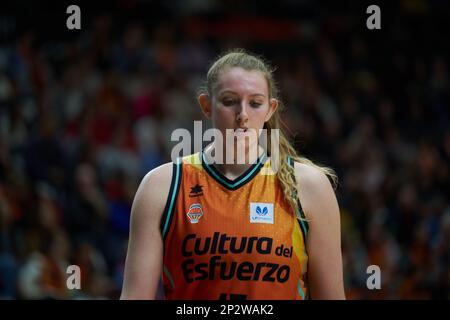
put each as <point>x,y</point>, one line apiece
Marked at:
<point>236,167</point>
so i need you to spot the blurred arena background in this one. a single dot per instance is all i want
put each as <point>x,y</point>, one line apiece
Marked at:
<point>85,114</point>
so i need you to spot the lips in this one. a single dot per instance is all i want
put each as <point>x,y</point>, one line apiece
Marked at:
<point>240,130</point>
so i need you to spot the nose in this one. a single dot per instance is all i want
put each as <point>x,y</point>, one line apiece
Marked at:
<point>241,114</point>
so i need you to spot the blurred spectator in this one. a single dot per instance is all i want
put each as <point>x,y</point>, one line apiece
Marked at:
<point>43,275</point>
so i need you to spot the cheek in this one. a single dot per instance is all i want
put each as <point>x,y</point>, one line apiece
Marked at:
<point>260,115</point>
<point>223,115</point>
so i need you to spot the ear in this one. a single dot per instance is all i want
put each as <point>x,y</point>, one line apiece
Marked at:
<point>273,106</point>
<point>205,104</point>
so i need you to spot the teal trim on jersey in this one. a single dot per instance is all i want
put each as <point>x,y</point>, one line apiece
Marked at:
<point>174,194</point>
<point>300,291</point>
<point>169,276</point>
<point>305,230</point>
<point>290,161</point>
<point>300,213</point>
<point>239,181</point>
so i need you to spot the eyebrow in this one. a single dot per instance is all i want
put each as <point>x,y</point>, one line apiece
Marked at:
<point>232,92</point>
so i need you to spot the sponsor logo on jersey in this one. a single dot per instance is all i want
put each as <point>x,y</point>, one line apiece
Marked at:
<point>195,212</point>
<point>261,212</point>
<point>217,263</point>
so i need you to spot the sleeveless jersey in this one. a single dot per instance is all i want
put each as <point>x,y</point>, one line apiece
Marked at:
<point>231,239</point>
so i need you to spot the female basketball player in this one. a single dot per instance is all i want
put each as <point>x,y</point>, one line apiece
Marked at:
<point>236,231</point>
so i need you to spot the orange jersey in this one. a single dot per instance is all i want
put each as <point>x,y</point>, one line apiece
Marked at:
<point>231,239</point>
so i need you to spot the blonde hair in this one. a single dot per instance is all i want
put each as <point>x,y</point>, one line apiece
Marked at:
<point>285,174</point>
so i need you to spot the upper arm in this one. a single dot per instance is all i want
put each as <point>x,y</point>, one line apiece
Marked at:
<point>143,264</point>
<point>316,195</point>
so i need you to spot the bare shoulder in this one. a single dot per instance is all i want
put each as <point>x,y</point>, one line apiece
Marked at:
<point>311,178</point>
<point>315,189</point>
<point>160,174</point>
<point>151,196</point>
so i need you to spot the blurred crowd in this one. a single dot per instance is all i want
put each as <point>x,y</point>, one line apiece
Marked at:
<point>82,121</point>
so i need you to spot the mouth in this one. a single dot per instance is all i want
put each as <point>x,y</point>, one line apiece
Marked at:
<point>240,130</point>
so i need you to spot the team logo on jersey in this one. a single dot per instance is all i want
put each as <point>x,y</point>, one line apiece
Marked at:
<point>261,212</point>
<point>195,212</point>
<point>196,191</point>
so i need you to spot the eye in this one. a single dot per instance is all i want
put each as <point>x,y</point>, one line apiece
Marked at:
<point>229,102</point>
<point>255,104</point>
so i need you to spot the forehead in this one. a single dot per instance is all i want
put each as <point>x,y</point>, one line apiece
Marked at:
<point>241,81</point>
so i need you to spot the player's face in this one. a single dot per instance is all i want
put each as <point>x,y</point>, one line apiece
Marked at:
<point>241,101</point>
